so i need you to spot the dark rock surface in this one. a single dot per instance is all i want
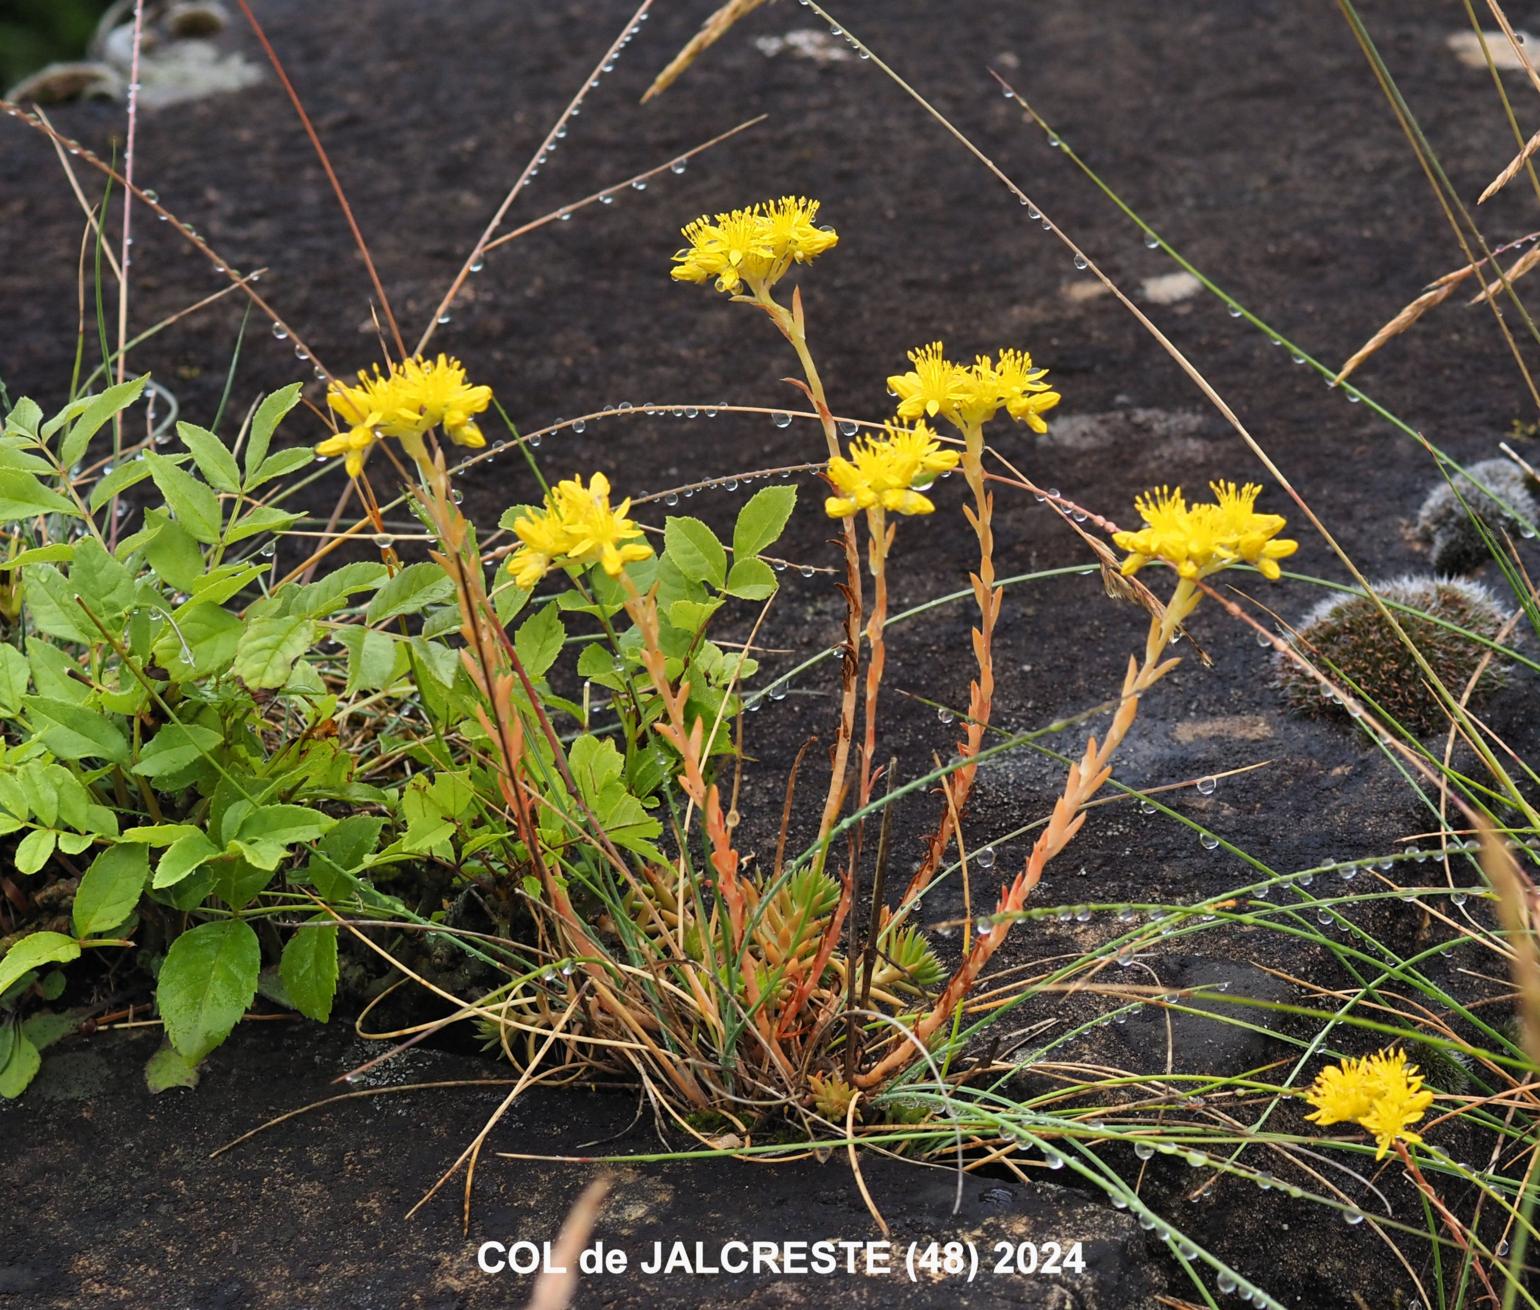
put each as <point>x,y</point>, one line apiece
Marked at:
<point>1252,136</point>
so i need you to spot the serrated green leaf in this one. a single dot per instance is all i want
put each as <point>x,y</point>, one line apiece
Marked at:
<point>95,414</point>
<point>415,588</point>
<point>212,457</point>
<point>194,503</point>
<point>321,599</point>
<point>285,825</point>
<point>762,520</point>
<point>695,550</point>
<point>265,518</point>
<point>211,633</point>
<point>172,551</point>
<point>268,649</point>
<point>51,602</point>
<point>22,496</point>
<point>207,981</point>
<point>263,423</point>
<point>34,850</point>
<point>691,615</point>
<point>188,852</point>
<point>285,461</point>
<point>308,968</point>
<point>110,889</point>
<point>174,747</point>
<point>106,587</point>
<point>159,834</point>
<point>20,1069</point>
<point>169,1068</point>
<point>24,419</point>
<point>73,732</point>
<point>539,639</point>
<point>33,952</point>
<point>375,659</point>
<point>120,479</point>
<point>750,578</point>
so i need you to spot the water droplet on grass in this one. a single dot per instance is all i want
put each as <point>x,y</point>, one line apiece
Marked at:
<point>1206,786</point>
<point>781,419</point>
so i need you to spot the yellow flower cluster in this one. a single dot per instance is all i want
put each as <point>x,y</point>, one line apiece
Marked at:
<point>1380,1092</point>
<point>576,526</point>
<point>884,472</point>
<point>753,246</point>
<point>414,397</point>
<point>1197,540</point>
<point>969,395</point>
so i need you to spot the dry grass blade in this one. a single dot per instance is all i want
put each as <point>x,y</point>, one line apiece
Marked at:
<point>711,31</point>
<point>1521,266</point>
<point>558,1284</point>
<point>1512,171</point>
<point>1434,295</point>
<point>1518,906</point>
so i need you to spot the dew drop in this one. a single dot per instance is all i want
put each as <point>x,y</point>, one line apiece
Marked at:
<point>639,185</point>
<point>944,714</point>
<point>781,419</point>
<point>678,166</point>
<point>606,199</point>
<point>280,332</point>
<point>1143,1150</point>
<point>578,425</point>
<point>1151,241</point>
<point>1208,841</point>
<point>985,857</point>
<point>1233,309</point>
<point>478,263</point>
<point>1080,262</point>
<point>807,570</point>
<point>848,427</point>
<point>1206,786</point>
<point>444,317</point>
<point>671,499</point>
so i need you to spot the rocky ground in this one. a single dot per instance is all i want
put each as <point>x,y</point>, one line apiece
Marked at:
<point>1252,137</point>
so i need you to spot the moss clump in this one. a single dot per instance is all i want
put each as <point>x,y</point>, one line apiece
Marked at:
<point>1448,526</point>
<point>1348,639</point>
